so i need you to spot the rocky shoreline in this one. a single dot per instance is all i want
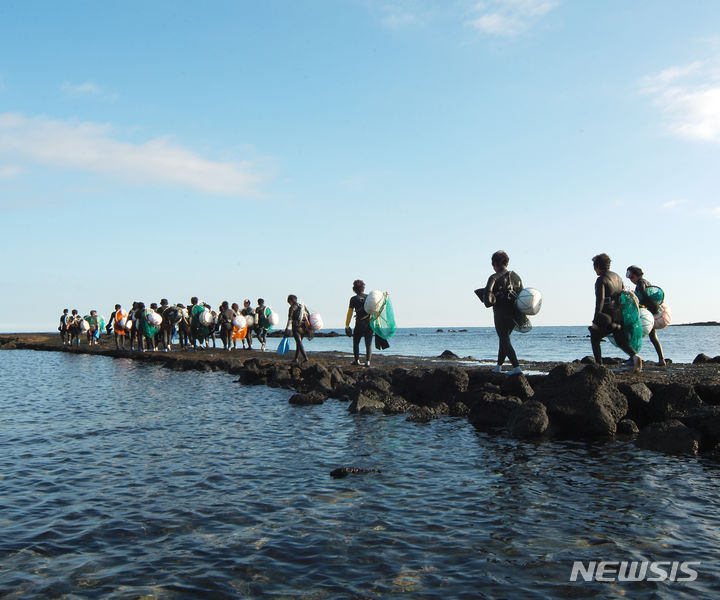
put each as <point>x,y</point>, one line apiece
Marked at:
<point>674,410</point>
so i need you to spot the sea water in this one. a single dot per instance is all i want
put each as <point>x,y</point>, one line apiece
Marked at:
<point>546,344</point>
<point>122,479</point>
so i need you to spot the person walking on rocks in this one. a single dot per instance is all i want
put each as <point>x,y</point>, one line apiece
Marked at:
<point>500,293</point>
<point>299,324</point>
<point>608,312</point>
<point>63,328</point>
<point>635,274</point>
<point>362,323</point>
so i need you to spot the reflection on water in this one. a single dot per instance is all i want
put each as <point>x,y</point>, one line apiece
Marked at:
<point>124,480</point>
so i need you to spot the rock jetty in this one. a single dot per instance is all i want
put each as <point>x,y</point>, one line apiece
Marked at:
<point>674,410</point>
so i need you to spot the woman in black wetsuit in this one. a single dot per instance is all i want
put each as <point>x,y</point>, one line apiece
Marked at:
<point>299,324</point>
<point>608,312</point>
<point>635,274</point>
<point>362,323</point>
<point>500,293</point>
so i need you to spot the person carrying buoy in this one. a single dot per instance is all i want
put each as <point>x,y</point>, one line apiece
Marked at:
<point>93,333</point>
<point>298,324</point>
<point>248,311</point>
<point>262,323</point>
<point>362,323</point>
<point>608,317</point>
<point>635,274</point>
<point>225,317</point>
<point>500,293</point>
<point>63,328</point>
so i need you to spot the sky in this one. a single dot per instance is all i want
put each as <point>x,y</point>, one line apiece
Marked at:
<point>243,149</point>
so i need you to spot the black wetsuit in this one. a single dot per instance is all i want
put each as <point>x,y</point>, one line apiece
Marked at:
<point>654,308</point>
<point>261,324</point>
<point>245,312</point>
<point>362,327</point>
<point>297,317</point>
<point>608,314</point>
<point>500,293</point>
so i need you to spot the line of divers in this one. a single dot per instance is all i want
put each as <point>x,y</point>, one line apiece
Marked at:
<point>196,325</point>
<point>500,293</point>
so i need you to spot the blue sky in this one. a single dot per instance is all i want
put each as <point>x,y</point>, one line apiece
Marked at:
<point>240,149</point>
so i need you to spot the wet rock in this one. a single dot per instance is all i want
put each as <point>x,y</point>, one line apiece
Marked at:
<point>709,393</point>
<point>448,355</point>
<point>638,396</point>
<point>627,427</point>
<point>518,386</point>
<point>317,377</point>
<point>309,398</point>
<point>672,401</point>
<point>529,420</point>
<point>701,358</point>
<point>459,409</point>
<point>492,411</point>
<point>671,437</point>
<point>396,405</point>
<point>366,404</point>
<point>345,471</point>
<point>706,421</point>
<point>420,414</point>
<point>582,404</point>
<point>430,387</point>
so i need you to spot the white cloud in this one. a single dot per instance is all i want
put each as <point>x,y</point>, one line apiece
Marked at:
<point>81,89</point>
<point>508,18</point>
<point>8,171</point>
<point>671,204</point>
<point>689,96</point>
<point>93,147</point>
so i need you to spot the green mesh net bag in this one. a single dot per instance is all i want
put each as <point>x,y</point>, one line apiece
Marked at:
<point>631,323</point>
<point>382,322</point>
<point>655,293</point>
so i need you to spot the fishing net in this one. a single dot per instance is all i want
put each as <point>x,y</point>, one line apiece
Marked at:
<point>655,293</point>
<point>145,326</point>
<point>383,322</point>
<point>631,323</point>
<point>200,328</point>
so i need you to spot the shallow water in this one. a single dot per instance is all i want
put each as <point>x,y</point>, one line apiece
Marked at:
<point>125,480</point>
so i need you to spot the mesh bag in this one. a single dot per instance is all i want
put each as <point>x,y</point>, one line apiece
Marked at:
<point>631,323</point>
<point>383,322</point>
<point>655,293</point>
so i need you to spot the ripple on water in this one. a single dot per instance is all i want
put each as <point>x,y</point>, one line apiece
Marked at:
<point>125,480</point>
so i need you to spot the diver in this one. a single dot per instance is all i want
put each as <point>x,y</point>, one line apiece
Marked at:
<point>63,328</point>
<point>299,324</point>
<point>362,323</point>
<point>608,317</point>
<point>262,324</point>
<point>248,311</point>
<point>635,274</point>
<point>116,318</point>
<point>500,292</point>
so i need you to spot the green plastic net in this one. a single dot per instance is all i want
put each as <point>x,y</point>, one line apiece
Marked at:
<point>383,322</point>
<point>145,327</point>
<point>655,293</point>
<point>631,325</point>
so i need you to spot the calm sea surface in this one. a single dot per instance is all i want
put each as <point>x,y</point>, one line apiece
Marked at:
<point>126,480</point>
<point>681,344</point>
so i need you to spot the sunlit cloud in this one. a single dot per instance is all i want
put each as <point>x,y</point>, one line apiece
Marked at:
<point>508,18</point>
<point>81,89</point>
<point>95,147</point>
<point>672,204</point>
<point>689,97</point>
